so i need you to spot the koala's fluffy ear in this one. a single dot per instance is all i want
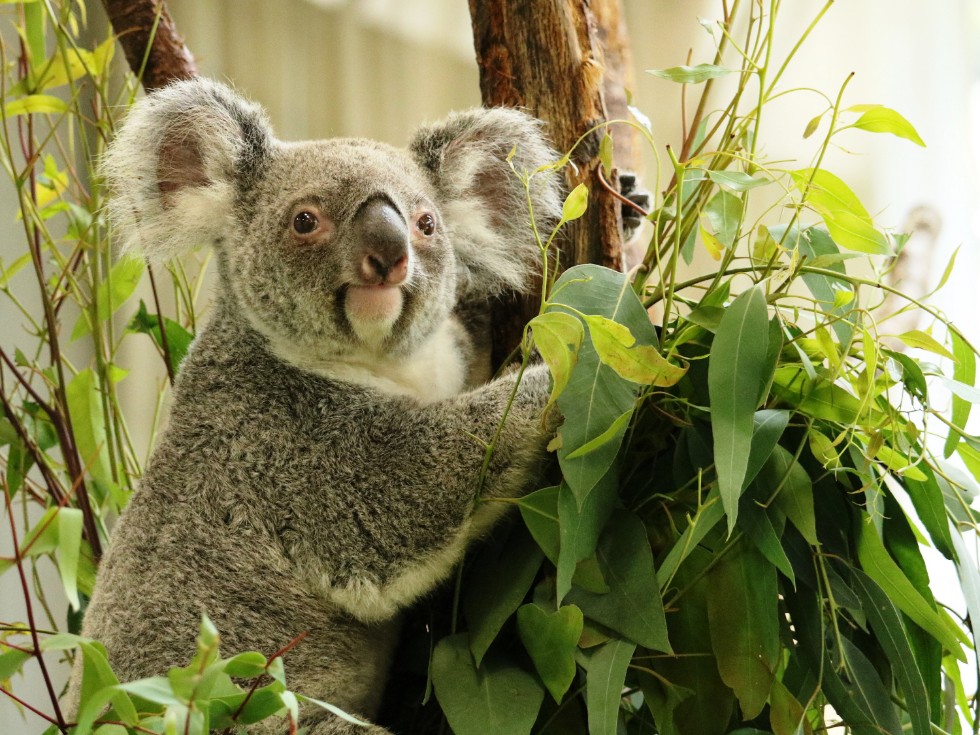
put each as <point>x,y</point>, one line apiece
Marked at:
<point>483,203</point>
<point>177,164</point>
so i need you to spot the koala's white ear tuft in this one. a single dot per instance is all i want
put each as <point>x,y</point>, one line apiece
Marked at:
<point>483,202</point>
<point>176,167</point>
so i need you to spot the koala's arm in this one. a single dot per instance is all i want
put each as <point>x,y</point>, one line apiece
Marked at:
<point>417,499</point>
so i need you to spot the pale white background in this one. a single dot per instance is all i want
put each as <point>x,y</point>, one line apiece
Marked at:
<point>378,68</point>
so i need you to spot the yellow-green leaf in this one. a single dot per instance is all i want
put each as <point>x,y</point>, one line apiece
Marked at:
<point>111,294</point>
<point>558,336</point>
<point>925,341</point>
<point>35,103</point>
<point>712,244</point>
<point>880,119</point>
<point>641,364</point>
<point>575,203</point>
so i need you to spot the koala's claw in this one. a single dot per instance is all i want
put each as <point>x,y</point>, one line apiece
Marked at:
<point>632,218</point>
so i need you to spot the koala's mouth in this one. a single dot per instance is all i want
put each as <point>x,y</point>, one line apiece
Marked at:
<point>375,303</point>
<point>372,311</point>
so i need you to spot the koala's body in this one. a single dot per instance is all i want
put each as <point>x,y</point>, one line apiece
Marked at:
<point>321,465</point>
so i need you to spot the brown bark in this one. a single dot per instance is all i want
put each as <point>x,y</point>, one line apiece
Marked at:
<point>151,41</point>
<point>565,61</point>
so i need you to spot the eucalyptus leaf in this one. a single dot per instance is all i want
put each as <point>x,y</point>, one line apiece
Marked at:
<point>633,606</point>
<point>551,639</point>
<point>744,624</point>
<point>604,685</point>
<point>497,697</point>
<point>691,74</point>
<point>736,367</point>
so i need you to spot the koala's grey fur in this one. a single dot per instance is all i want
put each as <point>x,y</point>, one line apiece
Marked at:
<point>320,468</point>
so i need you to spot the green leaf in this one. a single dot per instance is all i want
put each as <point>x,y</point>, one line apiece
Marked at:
<point>759,529</point>
<point>112,293</point>
<point>552,642</point>
<point>768,426</point>
<point>333,709</point>
<point>847,221</point>
<point>247,665</point>
<point>604,685</point>
<point>818,398</point>
<point>178,339</point>
<point>927,498</point>
<point>540,513</point>
<point>965,373</point>
<point>925,341</point>
<point>633,606</point>
<point>691,74</point>
<point>85,404</point>
<point>111,729</point>
<point>737,180</point>
<point>613,434</point>
<point>99,687</point>
<point>69,547</point>
<point>580,526</point>
<point>595,395</point>
<point>886,622</point>
<point>870,693</point>
<point>501,576</point>
<point>617,348</point>
<point>744,624</point>
<point>736,366</point>
<point>11,663</point>
<point>704,520</point>
<point>34,104</point>
<point>575,203</point>
<point>795,497</point>
<point>498,697</point>
<point>786,714</point>
<point>886,573</point>
<point>558,337</point>
<point>724,213</point>
<point>880,119</point>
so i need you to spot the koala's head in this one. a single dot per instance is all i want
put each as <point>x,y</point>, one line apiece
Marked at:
<point>337,246</point>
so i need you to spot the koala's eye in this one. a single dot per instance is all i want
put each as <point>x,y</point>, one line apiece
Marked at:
<point>305,222</point>
<point>426,224</point>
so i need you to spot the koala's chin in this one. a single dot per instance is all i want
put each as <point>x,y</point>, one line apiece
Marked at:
<point>324,463</point>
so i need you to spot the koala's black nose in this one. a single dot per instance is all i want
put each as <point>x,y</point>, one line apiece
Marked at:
<point>383,235</point>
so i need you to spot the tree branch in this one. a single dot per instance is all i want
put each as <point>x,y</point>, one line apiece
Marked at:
<point>154,49</point>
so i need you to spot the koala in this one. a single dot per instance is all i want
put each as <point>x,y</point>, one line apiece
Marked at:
<point>321,467</point>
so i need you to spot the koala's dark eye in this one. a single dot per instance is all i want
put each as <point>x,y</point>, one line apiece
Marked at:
<point>426,224</point>
<point>305,222</point>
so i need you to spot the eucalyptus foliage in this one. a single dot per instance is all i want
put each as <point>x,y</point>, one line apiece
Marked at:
<point>748,468</point>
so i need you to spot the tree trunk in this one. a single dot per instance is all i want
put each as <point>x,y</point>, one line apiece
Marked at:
<point>151,41</point>
<point>565,61</point>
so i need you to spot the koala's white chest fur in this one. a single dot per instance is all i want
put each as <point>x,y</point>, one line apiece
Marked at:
<point>435,371</point>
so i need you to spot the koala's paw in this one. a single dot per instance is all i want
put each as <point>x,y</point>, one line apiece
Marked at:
<point>630,188</point>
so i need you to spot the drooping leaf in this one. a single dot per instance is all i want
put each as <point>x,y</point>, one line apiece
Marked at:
<point>85,404</point>
<point>497,697</point>
<point>744,624</point>
<point>552,641</point>
<point>736,367</point>
<point>886,573</point>
<point>886,622</point>
<point>558,337</point>
<point>69,548</point>
<point>604,685</point>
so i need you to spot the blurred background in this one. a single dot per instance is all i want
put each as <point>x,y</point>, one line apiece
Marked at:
<point>379,68</point>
